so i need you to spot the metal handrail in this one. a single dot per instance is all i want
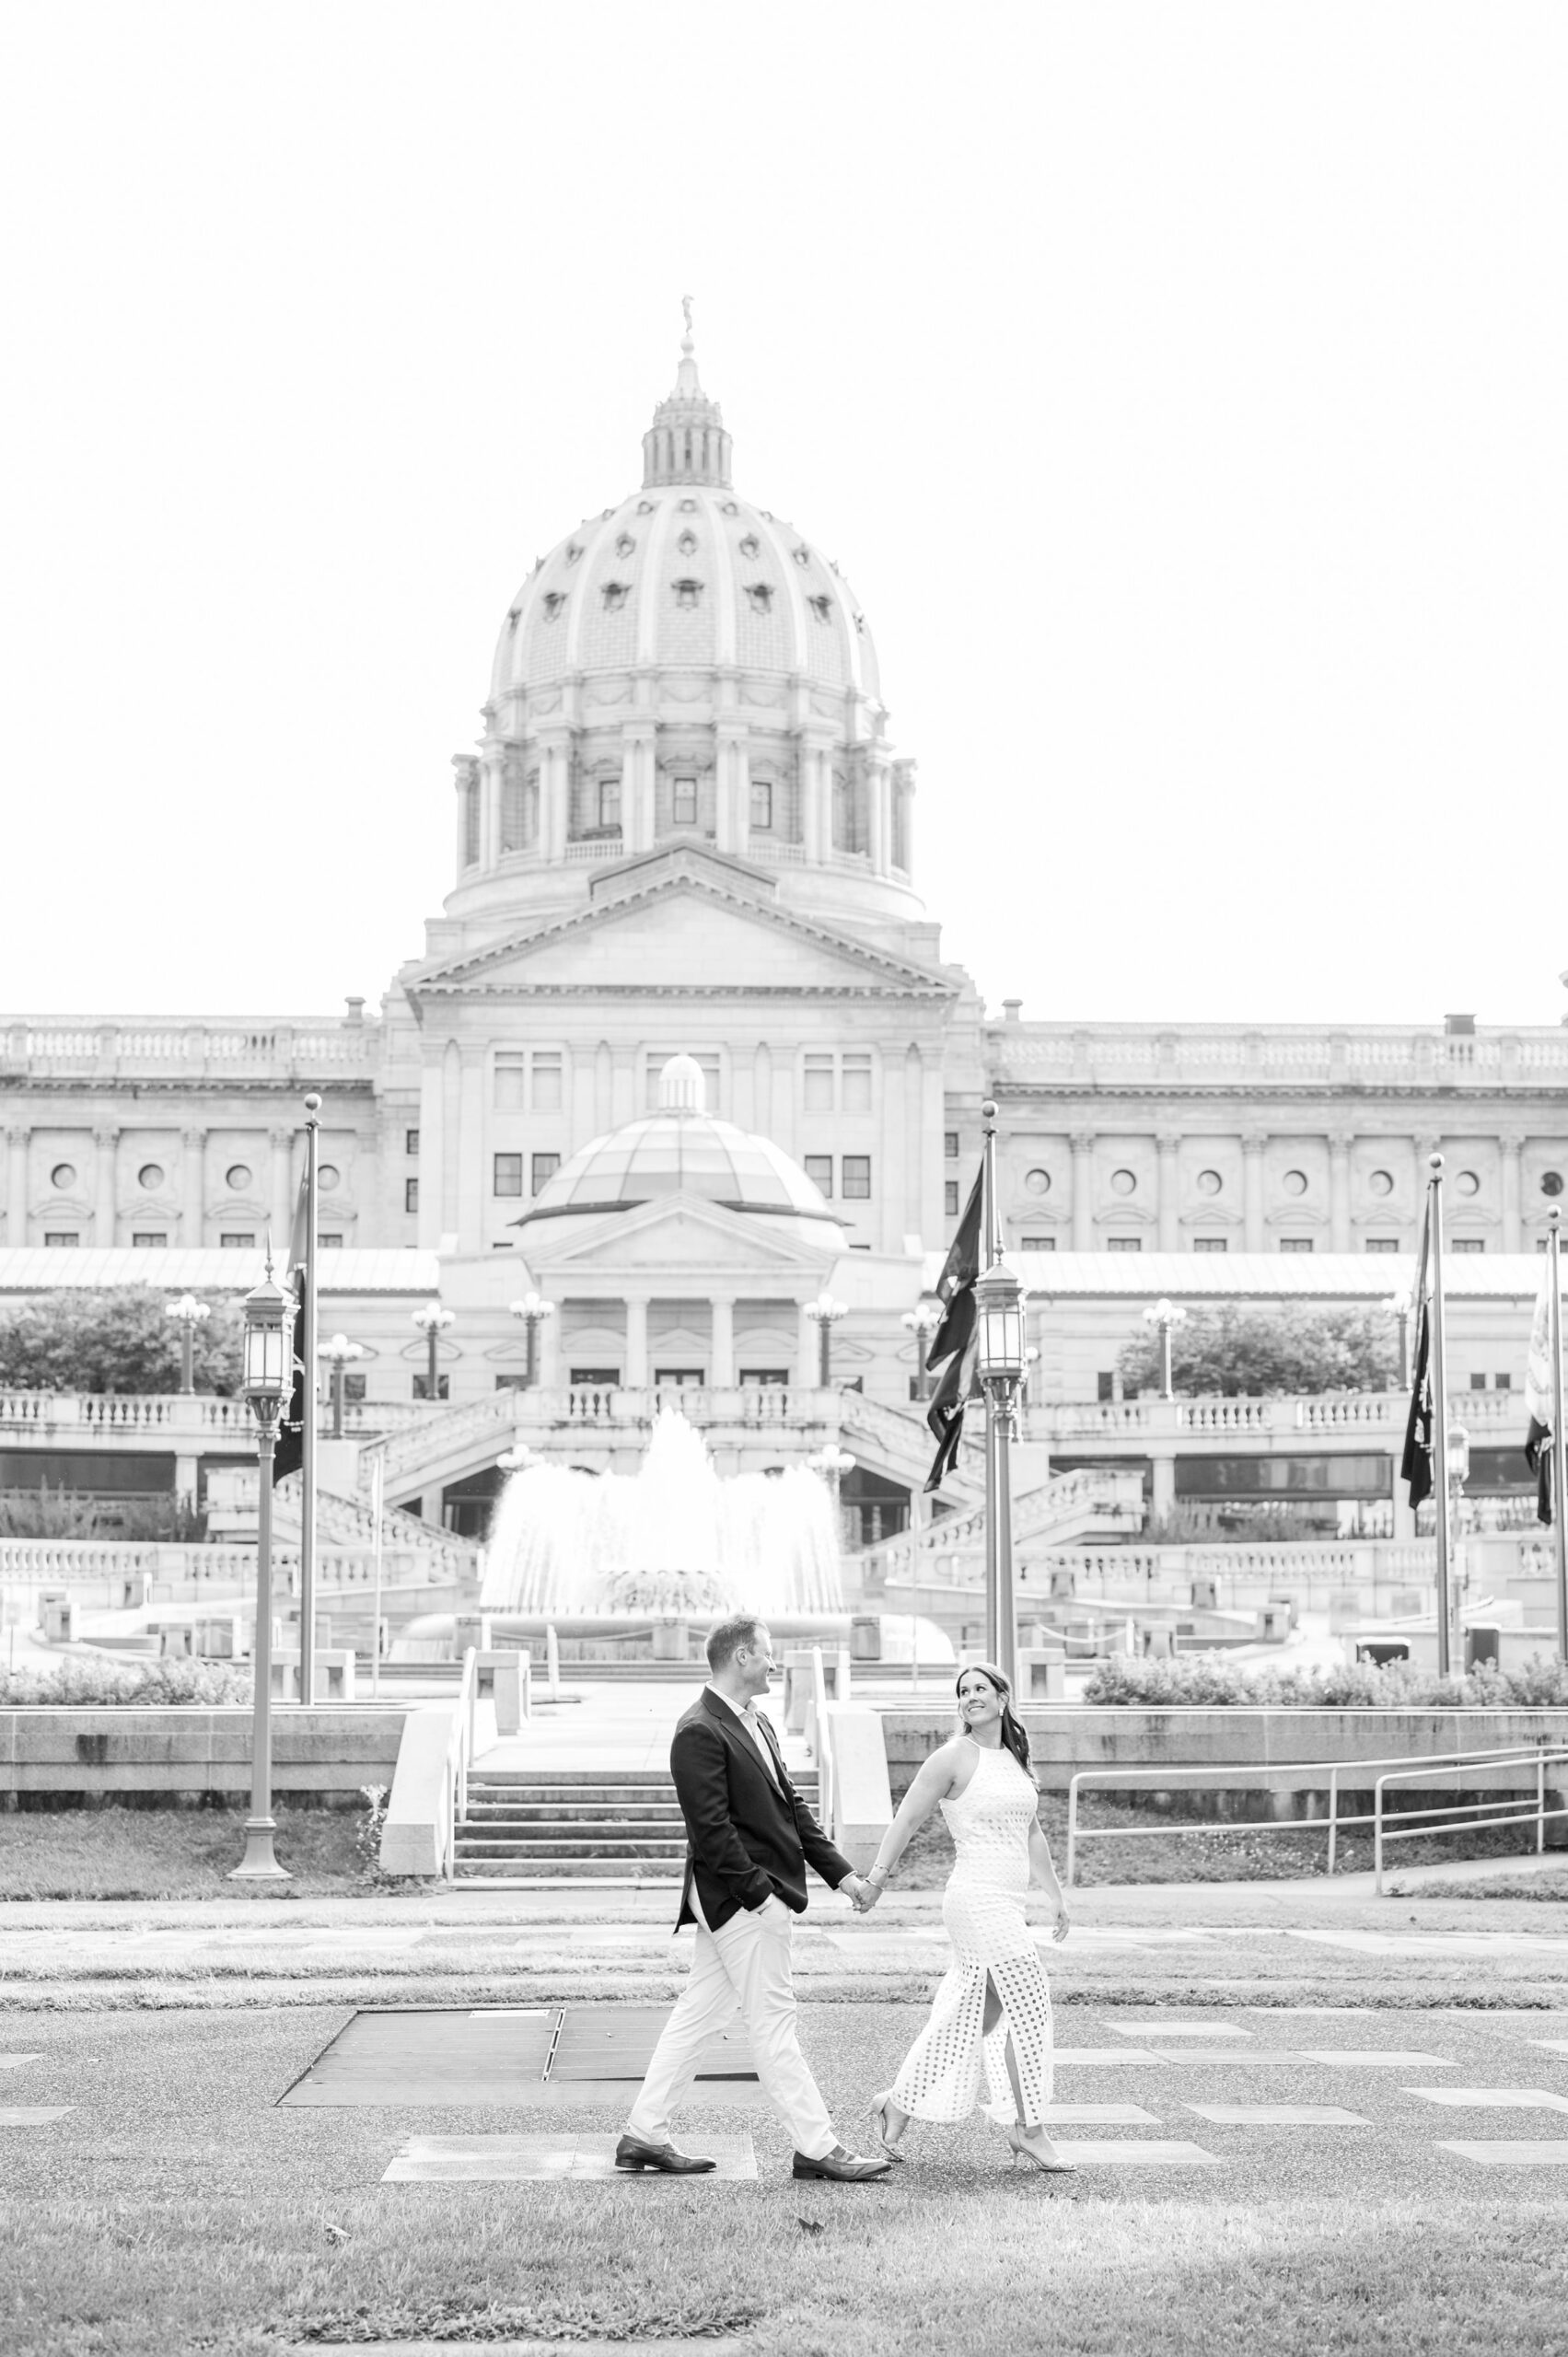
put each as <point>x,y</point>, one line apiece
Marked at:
<point>1411,1763</point>
<point>1523,1809</point>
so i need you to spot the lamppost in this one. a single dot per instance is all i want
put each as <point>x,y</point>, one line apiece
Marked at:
<point>268,1378</point>
<point>1398,1306</point>
<point>190,1314</point>
<point>533,1309</point>
<point>1165,1315</point>
<point>338,1351</point>
<point>432,1322</point>
<point>921,1321</point>
<point>832,1463</point>
<point>825,1313</point>
<point>1000,1361</point>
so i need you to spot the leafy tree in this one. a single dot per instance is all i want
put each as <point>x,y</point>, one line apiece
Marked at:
<point>118,1340</point>
<point>1250,1351</point>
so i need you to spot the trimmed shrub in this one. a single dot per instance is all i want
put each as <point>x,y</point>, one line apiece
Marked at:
<point>94,1680</point>
<point>1202,1681</point>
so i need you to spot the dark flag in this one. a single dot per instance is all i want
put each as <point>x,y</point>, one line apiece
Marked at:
<point>1537,1457</point>
<point>1415,1466</point>
<point>954,1343</point>
<point>288,1454</point>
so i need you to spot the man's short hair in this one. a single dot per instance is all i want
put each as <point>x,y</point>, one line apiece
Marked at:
<point>725,1641</point>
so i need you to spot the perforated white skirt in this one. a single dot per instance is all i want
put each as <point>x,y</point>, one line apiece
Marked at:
<point>983,1909</point>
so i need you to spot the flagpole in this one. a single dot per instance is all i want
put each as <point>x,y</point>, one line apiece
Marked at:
<point>1001,1619</point>
<point>1440,1420</point>
<point>1559,1439</point>
<point>307,1437</point>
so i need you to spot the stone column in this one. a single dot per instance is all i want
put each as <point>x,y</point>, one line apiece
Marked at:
<point>878,816</point>
<point>554,776</point>
<point>733,814</point>
<point>1512,1143</point>
<point>635,1374</point>
<point>721,1374</point>
<point>1165,1143</point>
<point>1252,1147</point>
<point>104,1144</point>
<point>16,1186</point>
<point>285,1190</point>
<point>808,1351</point>
<point>638,786</point>
<point>1340,1143</point>
<point>470,1213</point>
<point>816,802</point>
<point>1083,1142</point>
<point>1162,1470</point>
<point>431,1144</point>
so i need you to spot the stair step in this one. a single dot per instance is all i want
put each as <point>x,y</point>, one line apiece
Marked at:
<point>673,1852</point>
<point>628,1870</point>
<point>584,1828</point>
<point>505,1813</point>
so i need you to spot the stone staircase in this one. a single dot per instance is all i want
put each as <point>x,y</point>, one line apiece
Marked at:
<point>571,1825</point>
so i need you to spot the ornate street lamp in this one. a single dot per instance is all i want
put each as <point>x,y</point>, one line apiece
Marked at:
<point>1000,1363</point>
<point>190,1314</point>
<point>1165,1315</point>
<point>533,1309</point>
<point>338,1351</point>
<point>825,1313</point>
<point>831,1463</point>
<point>432,1322</point>
<point>921,1321</point>
<point>1398,1306</point>
<point>268,1379</point>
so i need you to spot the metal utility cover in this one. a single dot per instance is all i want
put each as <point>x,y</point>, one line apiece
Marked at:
<point>618,2041</point>
<point>543,2056</point>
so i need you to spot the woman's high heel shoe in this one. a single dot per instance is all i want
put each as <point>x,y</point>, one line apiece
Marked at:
<point>1022,2152</point>
<point>878,2118</point>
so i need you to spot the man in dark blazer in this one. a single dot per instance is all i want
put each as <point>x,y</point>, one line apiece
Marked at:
<point>750,1838</point>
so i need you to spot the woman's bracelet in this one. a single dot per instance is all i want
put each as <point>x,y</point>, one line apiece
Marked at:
<point>876,1874</point>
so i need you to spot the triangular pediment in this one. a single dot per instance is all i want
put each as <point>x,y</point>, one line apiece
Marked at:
<point>680,927</point>
<point>682,1232</point>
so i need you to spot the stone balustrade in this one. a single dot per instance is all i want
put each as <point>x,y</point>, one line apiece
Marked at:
<point>1308,1055</point>
<point>1355,1415</point>
<point>120,1049</point>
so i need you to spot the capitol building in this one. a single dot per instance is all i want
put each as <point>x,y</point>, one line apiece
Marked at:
<point>681,1051</point>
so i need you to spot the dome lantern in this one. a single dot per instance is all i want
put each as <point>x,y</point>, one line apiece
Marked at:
<point>682,1088</point>
<point>687,443</point>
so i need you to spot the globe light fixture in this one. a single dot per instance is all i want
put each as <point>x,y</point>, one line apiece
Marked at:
<point>266,1382</point>
<point>921,1321</point>
<point>999,1316</point>
<point>534,1310</point>
<point>432,1322</point>
<point>1165,1316</point>
<point>338,1351</point>
<point>825,1313</point>
<point>191,1313</point>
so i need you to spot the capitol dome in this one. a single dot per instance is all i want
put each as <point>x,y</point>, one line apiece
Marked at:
<point>681,1149</point>
<point>686,667</point>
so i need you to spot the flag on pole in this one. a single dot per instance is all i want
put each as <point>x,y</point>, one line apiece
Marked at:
<point>954,1345</point>
<point>1415,1466</point>
<point>1539,1396</point>
<point>289,1456</point>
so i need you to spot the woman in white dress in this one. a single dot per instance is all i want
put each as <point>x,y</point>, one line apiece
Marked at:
<point>993,2006</point>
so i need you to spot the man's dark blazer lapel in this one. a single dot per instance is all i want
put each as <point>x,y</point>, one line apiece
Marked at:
<point>740,1746</point>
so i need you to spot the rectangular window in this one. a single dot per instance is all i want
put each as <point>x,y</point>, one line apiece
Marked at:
<point>1123,1243</point>
<point>818,1098</point>
<point>1295,1243</point>
<point>1211,1243</point>
<point>1383,1244</point>
<point>950,1198</point>
<point>609,801</point>
<point>1038,1243</point>
<point>443,1386</point>
<point>410,1194</point>
<point>854,1174</point>
<point>1104,1387</point>
<point>59,1237</point>
<point>684,804</point>
<point>1478,1383</point>
<point>679,1377</point>
<point>773,1375</point>
<point>149,1243</point>
<point>1469,1243</point>
<point>237,1241</point>
<point>547,1084</point>
<point>331,1243</point>
<point>1503,1383</point>
<point>595,1375</point>
<point>761,806</point>
<point>820,1170</point>
<point>510,1071</point>
<point>951,1145</point>
<point>410,1141</point>
<point>508,1178</point>
<point>354,1386</point>
<point>545,1167</point>
<point>857,1085</point>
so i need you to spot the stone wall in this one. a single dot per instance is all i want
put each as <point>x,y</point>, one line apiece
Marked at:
<point>190,1753</point>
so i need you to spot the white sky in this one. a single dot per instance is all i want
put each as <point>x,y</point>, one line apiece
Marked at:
<point>1184,387</point>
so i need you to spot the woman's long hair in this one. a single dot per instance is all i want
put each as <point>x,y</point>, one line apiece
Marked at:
<point>1014,1735</point>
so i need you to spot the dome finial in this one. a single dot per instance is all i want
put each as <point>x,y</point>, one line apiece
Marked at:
<point>687,442</point>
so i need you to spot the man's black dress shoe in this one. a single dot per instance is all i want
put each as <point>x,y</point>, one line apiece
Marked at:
<point>847,2167</point>
<point>631,2155</point>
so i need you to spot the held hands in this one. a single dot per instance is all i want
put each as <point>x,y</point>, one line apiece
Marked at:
<point>861,1895</point>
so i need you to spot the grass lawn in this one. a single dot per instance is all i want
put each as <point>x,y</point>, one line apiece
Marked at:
<point>118,1852</point>
<point>177,2207</point>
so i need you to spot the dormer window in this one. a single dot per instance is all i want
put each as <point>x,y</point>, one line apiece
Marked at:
<point>750,545</point>
<point>574,552</point>
<point>554,599</point>
<point>687,544</point>
<point>683,807</point>
<point>822,607</point>
<point>760,594</point>
<point>687,593</point>
<point>615,594</point>
<point>802,555</point>
<point>626,545</point>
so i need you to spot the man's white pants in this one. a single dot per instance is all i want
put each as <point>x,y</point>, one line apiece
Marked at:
<point>743,1968</point>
